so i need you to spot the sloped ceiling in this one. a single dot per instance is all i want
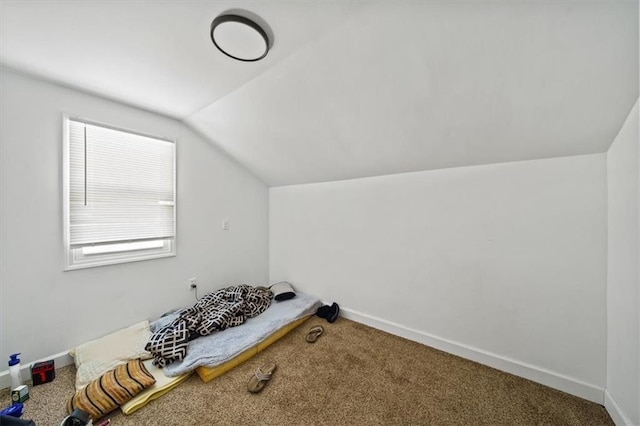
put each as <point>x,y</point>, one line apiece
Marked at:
<point>352,89</point>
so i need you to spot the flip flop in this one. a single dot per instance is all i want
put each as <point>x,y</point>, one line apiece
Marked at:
<point>260,378</point>
<point>314,333</point>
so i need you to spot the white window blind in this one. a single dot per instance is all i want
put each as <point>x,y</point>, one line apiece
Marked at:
<point>121,186</point>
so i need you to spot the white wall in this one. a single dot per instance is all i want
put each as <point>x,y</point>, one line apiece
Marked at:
<point>502,263</point>
<point>623,279</point>
<point>45,310</point>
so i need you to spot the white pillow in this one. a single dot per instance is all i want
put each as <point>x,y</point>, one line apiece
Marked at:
<point>96,357</point>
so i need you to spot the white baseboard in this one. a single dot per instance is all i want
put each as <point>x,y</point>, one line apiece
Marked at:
<point>537,374</point>
<point>62,359</point>
<point>618,416</point>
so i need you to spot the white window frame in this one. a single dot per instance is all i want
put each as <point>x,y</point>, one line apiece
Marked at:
<point>116,253</point>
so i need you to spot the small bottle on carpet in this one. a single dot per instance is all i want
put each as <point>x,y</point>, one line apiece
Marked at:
<point>14,371</point>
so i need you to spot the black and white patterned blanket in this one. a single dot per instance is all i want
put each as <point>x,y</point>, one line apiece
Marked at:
<point>216,311</point>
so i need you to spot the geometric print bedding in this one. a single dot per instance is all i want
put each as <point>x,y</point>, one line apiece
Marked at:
<point>216,311</point>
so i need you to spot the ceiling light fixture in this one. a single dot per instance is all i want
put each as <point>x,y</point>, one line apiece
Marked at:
<point>239,38</point>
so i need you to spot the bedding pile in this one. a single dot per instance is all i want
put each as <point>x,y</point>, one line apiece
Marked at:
<point>219,348</point>
<point>217,311</point>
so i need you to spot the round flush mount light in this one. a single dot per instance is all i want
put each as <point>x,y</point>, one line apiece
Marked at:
<point>239,37</point>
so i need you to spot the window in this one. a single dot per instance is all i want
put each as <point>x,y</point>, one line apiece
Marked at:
<point>119,195</point>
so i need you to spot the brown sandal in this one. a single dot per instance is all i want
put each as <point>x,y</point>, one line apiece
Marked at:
<point>314,333</point>
<point>260,378</point>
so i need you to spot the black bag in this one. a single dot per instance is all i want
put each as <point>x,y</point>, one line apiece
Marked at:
<point>14,421</point>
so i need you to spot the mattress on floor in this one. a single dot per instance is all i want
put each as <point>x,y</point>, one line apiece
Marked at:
<point>220,347</point>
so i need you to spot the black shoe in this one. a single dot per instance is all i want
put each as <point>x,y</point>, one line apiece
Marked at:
<point>334,310</point>
<point>323,311</point>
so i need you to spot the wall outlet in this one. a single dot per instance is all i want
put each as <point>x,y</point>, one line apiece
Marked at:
<point>193,283</point>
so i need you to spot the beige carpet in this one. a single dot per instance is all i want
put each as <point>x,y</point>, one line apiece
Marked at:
<point>353,374</point>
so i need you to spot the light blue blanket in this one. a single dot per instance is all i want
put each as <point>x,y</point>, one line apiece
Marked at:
<point>219,347</point>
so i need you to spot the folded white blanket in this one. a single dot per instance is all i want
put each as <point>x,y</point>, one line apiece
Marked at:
<point>221,346</point>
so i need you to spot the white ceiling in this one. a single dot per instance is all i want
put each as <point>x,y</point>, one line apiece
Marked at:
<point>352,89</point>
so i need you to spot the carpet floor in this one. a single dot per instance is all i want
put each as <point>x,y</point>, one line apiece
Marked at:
<point>353,374</point>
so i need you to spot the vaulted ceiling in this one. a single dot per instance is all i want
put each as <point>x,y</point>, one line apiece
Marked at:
<point>353,88</point>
